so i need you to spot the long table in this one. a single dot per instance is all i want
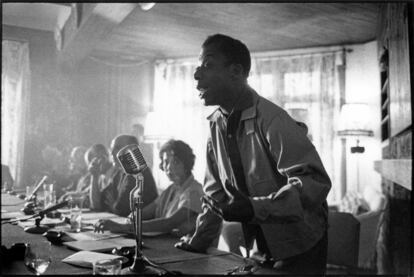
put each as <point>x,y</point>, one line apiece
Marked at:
<point>159,249</point>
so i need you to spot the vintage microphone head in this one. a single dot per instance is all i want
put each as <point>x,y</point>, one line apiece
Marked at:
<point>131,159</point>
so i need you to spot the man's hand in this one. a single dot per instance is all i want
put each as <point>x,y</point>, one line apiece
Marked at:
<point>239,208</point>
<point>94,166</point>
<point>106,224</point>
<point>184,244</point>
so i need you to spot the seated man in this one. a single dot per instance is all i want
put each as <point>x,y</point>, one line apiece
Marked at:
<point>110,191</point>
<point>178,206</point>
<point>77,169</point>
<point>97,159</point>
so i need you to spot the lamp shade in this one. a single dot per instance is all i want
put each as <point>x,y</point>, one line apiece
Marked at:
<point>354,120</point>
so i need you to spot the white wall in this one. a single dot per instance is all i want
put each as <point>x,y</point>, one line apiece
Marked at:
<point>362,85</point>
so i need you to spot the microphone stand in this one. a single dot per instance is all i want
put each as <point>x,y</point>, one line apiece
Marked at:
<point>37,228</point>
<point>141,264</point>
<point>30,206</point>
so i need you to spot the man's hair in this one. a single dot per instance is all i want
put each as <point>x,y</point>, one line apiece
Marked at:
<point>234,50</point>
<point>181,150</point>
<point>78,152</point>
<point>95,151</point>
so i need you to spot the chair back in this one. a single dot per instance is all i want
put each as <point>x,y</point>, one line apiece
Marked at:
<point>343,239</point>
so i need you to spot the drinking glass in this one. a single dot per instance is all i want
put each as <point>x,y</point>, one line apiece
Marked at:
<point>49,195</point>
<point>107,267</point>
<point>76,203</point>
<point>29,190</point>
<point>37,256</point>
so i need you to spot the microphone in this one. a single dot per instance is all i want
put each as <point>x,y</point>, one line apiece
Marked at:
<point>40,213</point>
<point>38,186</point>
<point>40,229</point>
<point>133,163</point>
<point>54,207</point>
<point>131,159</point>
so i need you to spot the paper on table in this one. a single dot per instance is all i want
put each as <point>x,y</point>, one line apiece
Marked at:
<point>87,258</point>
<point>100,245</point>
<point>92,221</point>
<point>25,224</point>
<point>51,222</point>
<point>10,215</point>
<point>152,234</point>
<point>98,215</point>
<point>67,211</point>
<point>91,235</point>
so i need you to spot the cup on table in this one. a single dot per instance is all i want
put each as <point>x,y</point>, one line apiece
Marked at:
<point>76,204</point>
<point>37,256</point>
<point>29,190</point>
<point>107,267</point>
<point>49,195</point>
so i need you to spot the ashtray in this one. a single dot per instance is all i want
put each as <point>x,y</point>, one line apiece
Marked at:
<point>55,237</point>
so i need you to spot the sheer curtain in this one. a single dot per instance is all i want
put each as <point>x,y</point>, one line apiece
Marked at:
<point>307,86</point>
<point>180,112</point>
<point>15,86</point>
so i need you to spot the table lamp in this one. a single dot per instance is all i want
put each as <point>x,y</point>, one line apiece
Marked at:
<point>353,122</point>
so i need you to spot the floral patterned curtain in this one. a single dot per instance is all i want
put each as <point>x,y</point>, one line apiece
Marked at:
<point>305,85</point>
<point>15,91</point>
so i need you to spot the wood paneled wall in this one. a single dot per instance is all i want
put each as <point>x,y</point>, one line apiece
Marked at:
<point>400,89</point>
<point>395,237</point>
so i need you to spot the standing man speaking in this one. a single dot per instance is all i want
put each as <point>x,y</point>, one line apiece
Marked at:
<point>262,170</point>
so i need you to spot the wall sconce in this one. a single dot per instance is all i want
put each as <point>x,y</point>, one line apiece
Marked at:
<point>353,122</point>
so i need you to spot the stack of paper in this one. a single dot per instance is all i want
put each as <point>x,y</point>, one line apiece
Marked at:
<point>88,258</point>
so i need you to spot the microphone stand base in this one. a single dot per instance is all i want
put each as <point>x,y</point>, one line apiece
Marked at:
<point>36,229</point>
<point>142,266</point>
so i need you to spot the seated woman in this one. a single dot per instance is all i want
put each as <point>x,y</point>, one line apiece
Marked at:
<point>178,206</point>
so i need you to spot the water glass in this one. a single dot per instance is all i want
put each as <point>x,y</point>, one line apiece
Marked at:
<point>107,267</point>
<point>76,203</point>
<point>49,195</point>
<point>37,256</point>
<point>29,190</point>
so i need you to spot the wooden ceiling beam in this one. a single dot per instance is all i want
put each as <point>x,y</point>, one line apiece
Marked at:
<point>87,26</point>
<point>63,4</point>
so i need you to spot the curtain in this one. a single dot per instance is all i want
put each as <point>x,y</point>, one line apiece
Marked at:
<point>15,93</point>
<point>180,113</point>
<point>307,86</point>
